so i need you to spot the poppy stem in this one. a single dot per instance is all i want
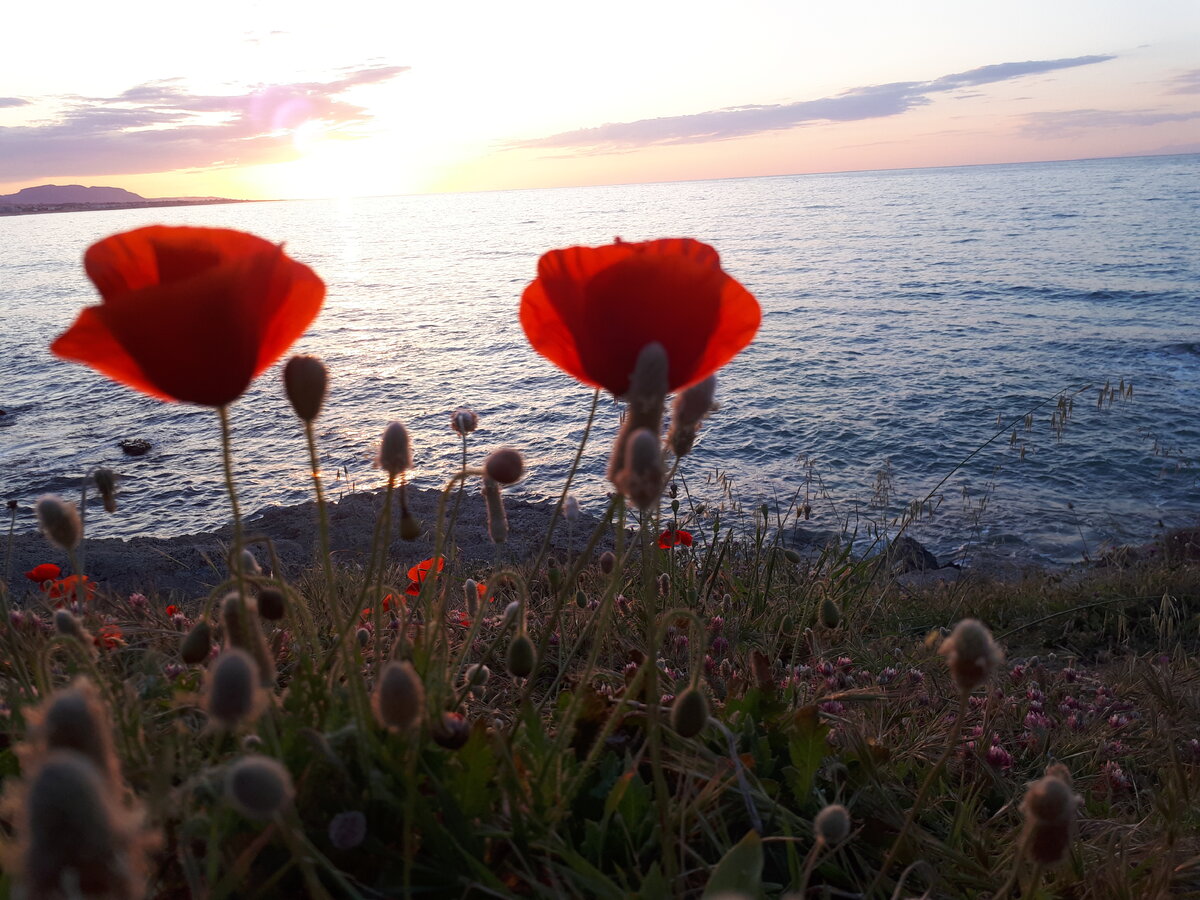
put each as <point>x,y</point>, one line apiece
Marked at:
<point>323,514</point>
<point>227,459</point>
<point>12,524</point>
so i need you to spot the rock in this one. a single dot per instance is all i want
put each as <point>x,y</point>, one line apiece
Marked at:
<point>134,446</point>
<point>1181,545</point>
<point>908,555</point>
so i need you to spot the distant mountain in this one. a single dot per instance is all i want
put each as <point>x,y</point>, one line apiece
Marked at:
<point>70,193</point>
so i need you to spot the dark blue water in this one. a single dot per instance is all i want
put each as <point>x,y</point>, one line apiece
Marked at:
<point>905,313</point>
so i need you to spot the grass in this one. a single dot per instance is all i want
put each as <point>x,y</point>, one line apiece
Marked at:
<point>823,684</point>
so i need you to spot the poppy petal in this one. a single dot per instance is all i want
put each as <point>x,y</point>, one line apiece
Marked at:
<point>89,341</point>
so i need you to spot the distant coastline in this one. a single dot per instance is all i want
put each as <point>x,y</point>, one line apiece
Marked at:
<point>37,208</point>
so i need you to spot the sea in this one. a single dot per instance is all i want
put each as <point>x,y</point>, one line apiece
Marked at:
<point>1007,357</point>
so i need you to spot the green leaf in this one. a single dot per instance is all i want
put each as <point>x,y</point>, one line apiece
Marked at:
<point>806,750</point>
<point>739,871</point>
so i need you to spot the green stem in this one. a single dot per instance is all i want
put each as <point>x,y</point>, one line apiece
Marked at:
<point>322,513</point>
<point>227,459</point>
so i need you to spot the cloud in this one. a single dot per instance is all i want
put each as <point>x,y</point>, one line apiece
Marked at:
<point>1187,83</point>
<point>6,102</point>
<point>160,126</point>
<point>870,102</point>
<point>1076,121</point>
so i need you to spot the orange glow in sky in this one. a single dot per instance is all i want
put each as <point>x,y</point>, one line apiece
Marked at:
<point>276,99</point>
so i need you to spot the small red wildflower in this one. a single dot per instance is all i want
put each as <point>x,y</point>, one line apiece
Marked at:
<point>674,537</point>
<point>108,637</point>
<point>418,573</point>
<point>66,587</point>
<point>172,610</point>
<point>44,572</point>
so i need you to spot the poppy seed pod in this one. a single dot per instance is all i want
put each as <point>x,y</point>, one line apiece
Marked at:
<point>74,718</point>
<point>233,694</point>
<point>504,466</point>
<point>971,654</point>
<point>831,825</point>
<point>106,484</point>
<point>399,698</point>
<point>608,562</point>
<point>464,421</point>
<point>258,787</point>
<point>689,713</point>
<point>687,412</point>
<point>641,479</point>
<point>305,380</point>
<point>497,520</point>
<point>196,644</point>
<point>76,840</point>
<point>395,452</point>
<point>522,656</point>
<point>59,521</point>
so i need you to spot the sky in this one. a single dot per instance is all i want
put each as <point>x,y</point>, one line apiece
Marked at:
<point>261,99</point>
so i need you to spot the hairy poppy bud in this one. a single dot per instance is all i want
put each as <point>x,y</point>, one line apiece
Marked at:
<point>971,654</point>
<point>59,521</point>
<point>1050,807</point>
<point>363,636</point>
<point>831,613</point>
<point>645,398</point>
<point>522,656</point>
<point>395,452</point>
<point>581,599</point>
<point>304,380</point>
<point>608,562</point>
<point>271,604</point>
<point>504,466</point>
<point>347,830</point>
<point>410,526</point>
<point>641,478</point>
<point>250,564</point>
<point>258,787</point>
<point>239,617</point>
<point>451,730</point>
<point>792,555</point>
<point>66,624</point>
<point>106,484</point>
<point>77,840</point>
<point>497,520</point>
<point>75,718</point>
<point>233,694</point>
<point>688,410</point>
<point>689,713</point>
<point>477,675</point>
<point>464,421</point>
<point>399,699</point>
<point>832,825</point>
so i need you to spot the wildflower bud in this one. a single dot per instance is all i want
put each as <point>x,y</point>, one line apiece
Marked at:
<point>477,675</point>
<point>971,654</point>
<point>75,834</point>
<point>399,699</point>
<point>233,694</point>
<point>74,718</point>
<point>608,562</point>
<point>522,656</point>
<point>689,713</point>
<point>832,825</point>
<point>648,383</point>
<point>395,452</point>
<point>363,637</point>
<point>410,527</point>
<point>571,508</point>
<point>688,410</point>
<point>451,730</point>
<point>504,466</point>
<point>497,521</point>
<point>305,380</point>
<point>581,599</point>
<point>831,613</point>
<point>641,478</point>
<point>250,564</point>
<point>258,787</point>
<point>664,585</point>
<point>471,597</point>
<point>510,613</point>
<point>252,742</point>
<point>59,521</point>
<point>554,576</point>
<point>347,830</point>
<point>239,617</point>
<point>760,666</point>
<point>67,625</point>
<point>1050,808</point>
<point>106,484</point>
<point>464,421</point>
<point>792,555</point>
<point>271,604</point>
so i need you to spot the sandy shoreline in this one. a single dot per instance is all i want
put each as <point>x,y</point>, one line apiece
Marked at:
<point>190,565</point>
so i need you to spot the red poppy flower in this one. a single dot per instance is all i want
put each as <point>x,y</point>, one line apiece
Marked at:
<point>171,609</point>
<point>109,636</point>
<point>66,587</point>
<point>43,572</point>
<point>591,310</point>
<point>190,314</point>
<point>417,574</point>
<point>674,537</point>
